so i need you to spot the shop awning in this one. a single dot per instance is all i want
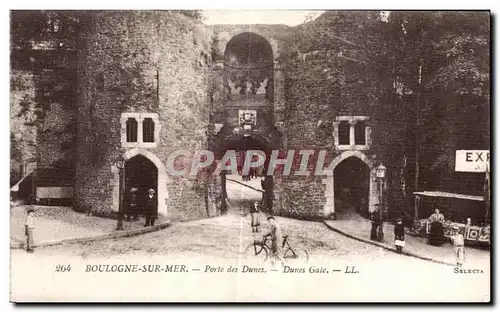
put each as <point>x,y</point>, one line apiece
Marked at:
<point>449,195</point>
<point>15,188</point>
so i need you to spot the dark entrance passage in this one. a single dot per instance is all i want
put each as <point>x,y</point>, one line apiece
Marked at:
<point>352,184</point>
<point>259,186</point>
<point>141,174</point>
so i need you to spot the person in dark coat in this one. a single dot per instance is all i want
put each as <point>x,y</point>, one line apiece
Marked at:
<point>399,235</point>
<point>376,221</point>
<point>254,214</point>
<point>151,212</point>
<point>132,205</point>
<point>436,237</point>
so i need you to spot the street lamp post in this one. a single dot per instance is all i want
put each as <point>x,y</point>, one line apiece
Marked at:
<point>381,176</point>
<point>120,164</point>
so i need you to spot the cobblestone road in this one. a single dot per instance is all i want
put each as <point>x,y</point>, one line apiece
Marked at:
<point>218,242</point>
<point>222,237</point>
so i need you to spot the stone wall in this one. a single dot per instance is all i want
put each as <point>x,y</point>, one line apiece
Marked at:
<point>22,133</point>
<point>276,35</point>
<point>165,63</point>
<point>56,147</point>
<point>44,92</point>
<point>323,79</point>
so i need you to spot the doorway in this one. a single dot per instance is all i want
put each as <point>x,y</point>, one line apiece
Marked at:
<point>141,174</point>
<point>352,186</point>
<point>240,189</point>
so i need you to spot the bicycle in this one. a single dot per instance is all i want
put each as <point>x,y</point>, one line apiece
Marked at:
<point>263,250</point>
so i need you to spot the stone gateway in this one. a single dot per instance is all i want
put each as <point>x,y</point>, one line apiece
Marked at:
<point>152,83</point>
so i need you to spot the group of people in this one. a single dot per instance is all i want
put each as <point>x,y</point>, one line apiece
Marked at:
<point>148,207</point>
<point>399,229</point>
<point>436,237</point>
<point>436,233</point>
<point>253,173</point>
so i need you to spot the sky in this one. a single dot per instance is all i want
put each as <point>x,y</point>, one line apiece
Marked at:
<point>286,17</point>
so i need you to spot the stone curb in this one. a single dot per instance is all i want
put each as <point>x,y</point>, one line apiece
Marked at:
<point>116,234</point>
<point>382,245</point>
<point>253,188</point>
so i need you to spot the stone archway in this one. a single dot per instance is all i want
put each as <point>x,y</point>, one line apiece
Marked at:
<point>328,181</point>
<point>162,179</point>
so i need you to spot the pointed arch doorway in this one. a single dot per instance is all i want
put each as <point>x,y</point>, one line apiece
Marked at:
<point>143,170</point>
<point>356,177</point>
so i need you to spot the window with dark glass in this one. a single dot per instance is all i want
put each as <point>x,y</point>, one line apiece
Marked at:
<point>359,133</point>
<point>148,130</point>
<point>131,126</point>
<point>344,129</point>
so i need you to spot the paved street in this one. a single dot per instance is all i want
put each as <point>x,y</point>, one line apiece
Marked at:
<point>218,242</point>
<point>223,236</point>
<point>383,275</point>
<point>55,223</point>
<point>227,237</point>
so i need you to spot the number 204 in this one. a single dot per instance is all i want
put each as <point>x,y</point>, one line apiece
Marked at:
<point>63,268</point>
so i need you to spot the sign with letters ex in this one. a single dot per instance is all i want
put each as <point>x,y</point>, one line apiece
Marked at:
<point>472,160</point>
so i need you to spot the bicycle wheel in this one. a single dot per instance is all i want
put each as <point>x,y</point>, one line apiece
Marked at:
<point>296,255</point>
<point>256,252</point>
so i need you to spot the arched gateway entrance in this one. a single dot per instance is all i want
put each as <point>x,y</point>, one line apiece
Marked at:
<point>255,177</point>
<point>351,184</point>
<point>245,117</point>
<point>143,170</point>
<point>142,175</point>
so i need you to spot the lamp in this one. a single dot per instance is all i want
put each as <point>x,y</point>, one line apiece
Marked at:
<point>380,172</point>
<point>120,164</point>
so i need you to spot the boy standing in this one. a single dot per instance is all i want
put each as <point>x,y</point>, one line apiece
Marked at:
<point>458,245</point>
<point>29,225</point>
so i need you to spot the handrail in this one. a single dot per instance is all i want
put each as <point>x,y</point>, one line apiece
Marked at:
<point>229,179</point>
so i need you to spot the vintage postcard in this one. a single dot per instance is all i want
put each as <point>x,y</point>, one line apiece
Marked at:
<point>250,156</point>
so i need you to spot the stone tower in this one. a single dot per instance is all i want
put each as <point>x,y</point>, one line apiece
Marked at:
<point>142,94</point>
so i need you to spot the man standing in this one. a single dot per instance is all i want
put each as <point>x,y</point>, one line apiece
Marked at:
<point>151,208</point>
<point>376,222</point>
<point>263,203</point>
